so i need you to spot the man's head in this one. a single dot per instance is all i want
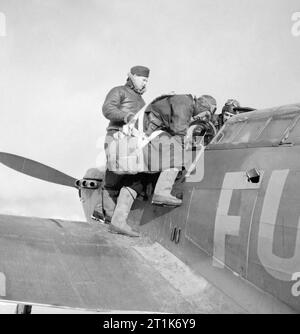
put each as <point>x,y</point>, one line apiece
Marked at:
<point>229,109</point>
<point>139,77</point>
<point>205,107</point>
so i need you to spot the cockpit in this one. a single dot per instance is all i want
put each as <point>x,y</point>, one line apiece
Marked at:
<point>267,127</point>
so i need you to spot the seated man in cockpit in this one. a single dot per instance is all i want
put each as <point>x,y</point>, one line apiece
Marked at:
<point>231,107</point>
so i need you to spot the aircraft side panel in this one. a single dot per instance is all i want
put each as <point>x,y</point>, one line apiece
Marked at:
<point>199,227</point>
<point>274,255</point>
<point>256,225</point>
<point>220,214</point>
<point>230,218</point>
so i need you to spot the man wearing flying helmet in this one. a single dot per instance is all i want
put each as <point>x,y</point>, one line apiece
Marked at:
<point>173,114</point>
<point>231,107</point>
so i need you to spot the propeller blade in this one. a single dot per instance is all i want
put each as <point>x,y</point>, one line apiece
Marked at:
<point>36,169</point>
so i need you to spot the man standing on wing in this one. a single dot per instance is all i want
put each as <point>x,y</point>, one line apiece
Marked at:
<point>120,106</point>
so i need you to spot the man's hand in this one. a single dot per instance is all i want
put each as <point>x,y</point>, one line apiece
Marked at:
<point>203,116</point>
<point>127,128</point>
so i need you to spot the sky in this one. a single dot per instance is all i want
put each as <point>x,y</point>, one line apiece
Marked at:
<point>59,59</point>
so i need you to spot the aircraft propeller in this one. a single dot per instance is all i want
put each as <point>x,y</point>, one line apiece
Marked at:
<point>37,170</point>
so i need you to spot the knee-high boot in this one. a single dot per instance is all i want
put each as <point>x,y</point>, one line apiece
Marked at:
<point>162,192</point>
<point>110,198</point>
<point>119,218</point>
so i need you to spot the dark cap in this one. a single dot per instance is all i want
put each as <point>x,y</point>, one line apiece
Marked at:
<point>141,71</point>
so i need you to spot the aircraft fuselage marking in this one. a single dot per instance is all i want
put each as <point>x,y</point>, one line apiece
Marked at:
<point>278,267</point>
<point>225,224</point>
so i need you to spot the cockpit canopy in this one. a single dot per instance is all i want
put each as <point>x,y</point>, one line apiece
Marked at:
<point>266,127</point>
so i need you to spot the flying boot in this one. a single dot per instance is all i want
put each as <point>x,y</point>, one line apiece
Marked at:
<point>118,223</point>
<point>162,192</point>
<point>110,197</point>
<point>98,214</point>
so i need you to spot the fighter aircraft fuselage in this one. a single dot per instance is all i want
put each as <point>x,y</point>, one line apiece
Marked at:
<point>248,226</point>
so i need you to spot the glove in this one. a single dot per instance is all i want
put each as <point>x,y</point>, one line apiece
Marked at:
<point>127,128</point>
<point>128,117</point>
<point>151,128</point>
<point>204,116</point>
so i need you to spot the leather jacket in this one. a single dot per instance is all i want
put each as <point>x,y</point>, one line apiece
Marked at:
<point>120,103</point>
<point>170,113</point>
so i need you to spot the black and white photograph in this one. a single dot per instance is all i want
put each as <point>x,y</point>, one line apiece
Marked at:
<point>149,159</point>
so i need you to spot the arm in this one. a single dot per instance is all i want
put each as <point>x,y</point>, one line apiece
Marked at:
<point>154,121</point>
<point>111,106</point>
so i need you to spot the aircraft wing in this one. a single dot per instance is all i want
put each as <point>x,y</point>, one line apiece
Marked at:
<point>78,265</point>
